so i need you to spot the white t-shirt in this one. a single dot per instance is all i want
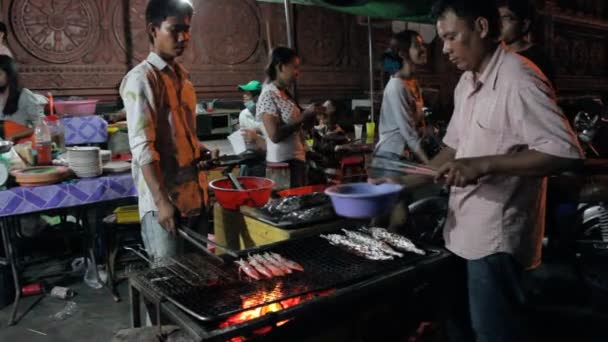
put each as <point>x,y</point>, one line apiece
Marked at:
<point>247,120</point>
<point>30,107</point>
<point>276,103</point>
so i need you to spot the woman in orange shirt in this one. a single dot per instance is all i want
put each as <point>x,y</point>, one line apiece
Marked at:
<point>20,108</point>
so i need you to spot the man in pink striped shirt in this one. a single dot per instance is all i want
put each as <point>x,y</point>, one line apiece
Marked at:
<point>505,135</point>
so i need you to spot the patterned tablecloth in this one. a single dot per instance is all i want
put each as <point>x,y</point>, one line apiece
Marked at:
<point>90,129</point>
<point>24,200</point>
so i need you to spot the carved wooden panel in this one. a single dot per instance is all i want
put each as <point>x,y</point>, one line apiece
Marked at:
<point>320,36</point>
<point>85,47</point>
<point>56,31</point>
<point>576,34</point>
<point>236,40</point>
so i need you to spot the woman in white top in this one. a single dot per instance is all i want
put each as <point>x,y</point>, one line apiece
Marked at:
<point>20,108</point>
<point>282,116</point>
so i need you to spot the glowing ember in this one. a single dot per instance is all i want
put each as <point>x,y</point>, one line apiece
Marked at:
<point>261,298</point>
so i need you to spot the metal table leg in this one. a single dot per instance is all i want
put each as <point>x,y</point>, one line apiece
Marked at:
<point>134,298</point>
<point>8,230</point>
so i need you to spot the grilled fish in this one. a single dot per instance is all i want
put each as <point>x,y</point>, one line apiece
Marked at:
<point>275,269</point>
<point>284,261</point>
<point>247,269</point>
<point>260,267</point>
<point>398,241</point>
<point>372,242</point>
<point>365,251</point>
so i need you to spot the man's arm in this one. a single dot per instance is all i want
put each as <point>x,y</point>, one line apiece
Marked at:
<point>552,145</point>
<point>531,163</point>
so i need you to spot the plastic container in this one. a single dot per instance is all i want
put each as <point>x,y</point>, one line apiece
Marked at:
<point>280,173</point>
<point>74,108</point>
<point>127,214</point>
<point>57,132</point>
<point>363,200</point>
<point>43,142</point>
<point>256,194</point>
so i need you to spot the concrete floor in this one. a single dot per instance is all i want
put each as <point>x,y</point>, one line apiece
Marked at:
<point>96,318</point>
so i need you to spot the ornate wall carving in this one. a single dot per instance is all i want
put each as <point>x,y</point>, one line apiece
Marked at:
<point>84,47</point>
<point>576,37</point>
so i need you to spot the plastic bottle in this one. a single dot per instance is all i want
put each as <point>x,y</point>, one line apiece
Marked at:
<point>57,132</point>
<point>43,142</point>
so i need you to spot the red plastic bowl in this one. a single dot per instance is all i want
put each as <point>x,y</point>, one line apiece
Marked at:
<point>256,194</point>
<point>80,107</point>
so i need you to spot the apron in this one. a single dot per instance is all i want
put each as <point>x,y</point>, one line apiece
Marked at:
<point>188,189</point>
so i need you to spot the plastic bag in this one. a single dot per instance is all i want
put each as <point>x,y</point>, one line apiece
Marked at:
<point>90,278</point>
<point>68,310</point>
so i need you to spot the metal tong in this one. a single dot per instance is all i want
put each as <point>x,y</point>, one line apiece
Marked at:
<point>199,241</point>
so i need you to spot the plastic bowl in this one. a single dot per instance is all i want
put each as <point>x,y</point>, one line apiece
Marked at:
<point>363,200</point>
<point>80,107</point>
<point>256,194</point>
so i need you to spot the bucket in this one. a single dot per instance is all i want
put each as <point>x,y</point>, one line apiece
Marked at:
<point>256,194</point>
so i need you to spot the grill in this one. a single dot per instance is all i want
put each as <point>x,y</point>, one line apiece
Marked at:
<point>210,291</point>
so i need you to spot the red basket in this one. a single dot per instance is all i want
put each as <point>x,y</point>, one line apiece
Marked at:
<point>304,190</point>
<point>256,194</point>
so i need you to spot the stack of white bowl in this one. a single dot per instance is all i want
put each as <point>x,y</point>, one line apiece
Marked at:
<point>85,161</point>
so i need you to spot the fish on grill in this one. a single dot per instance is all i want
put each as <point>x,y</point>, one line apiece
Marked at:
<point>284,261</point>
<point>398,241</point>
<point>274,269</point>
<point>247,269</point>
<point>276,263</point>
<point>372,242</point>
<point>365,251</point>
<point>260,268</point>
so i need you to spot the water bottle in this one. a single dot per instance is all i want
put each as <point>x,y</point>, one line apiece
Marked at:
<point>43,142</point>
<point>57,132</point>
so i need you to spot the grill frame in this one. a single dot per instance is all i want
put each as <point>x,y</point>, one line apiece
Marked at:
<point>326,267</point>
<point>407,278</point>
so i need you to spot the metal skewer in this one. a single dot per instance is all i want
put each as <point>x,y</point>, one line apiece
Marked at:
<point>190,234</point>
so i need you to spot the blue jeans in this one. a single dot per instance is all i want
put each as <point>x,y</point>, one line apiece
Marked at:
<point>488,300</point>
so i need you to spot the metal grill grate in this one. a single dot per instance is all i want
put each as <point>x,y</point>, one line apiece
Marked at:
<point>212,292</point>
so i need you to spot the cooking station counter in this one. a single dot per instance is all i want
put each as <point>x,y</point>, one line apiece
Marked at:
<point>211,301</point>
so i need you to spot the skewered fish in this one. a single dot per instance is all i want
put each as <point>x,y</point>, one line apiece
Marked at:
<point>276,263</point>
<point>365,251</point>
<point>395,240</point>
<point>247,269</point>
<point>287,262</point>
<point>274,269</point>
<point>260,267</point>
<point>372,242</point>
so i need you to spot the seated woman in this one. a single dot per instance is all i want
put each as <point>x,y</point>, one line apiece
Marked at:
<point>283,118</point>
<point>20,108</point>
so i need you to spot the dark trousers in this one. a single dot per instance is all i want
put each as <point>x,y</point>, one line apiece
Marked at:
<point>486,301</point>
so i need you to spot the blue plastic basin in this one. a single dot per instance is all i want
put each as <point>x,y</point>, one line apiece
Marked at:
<point>363,200</point>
